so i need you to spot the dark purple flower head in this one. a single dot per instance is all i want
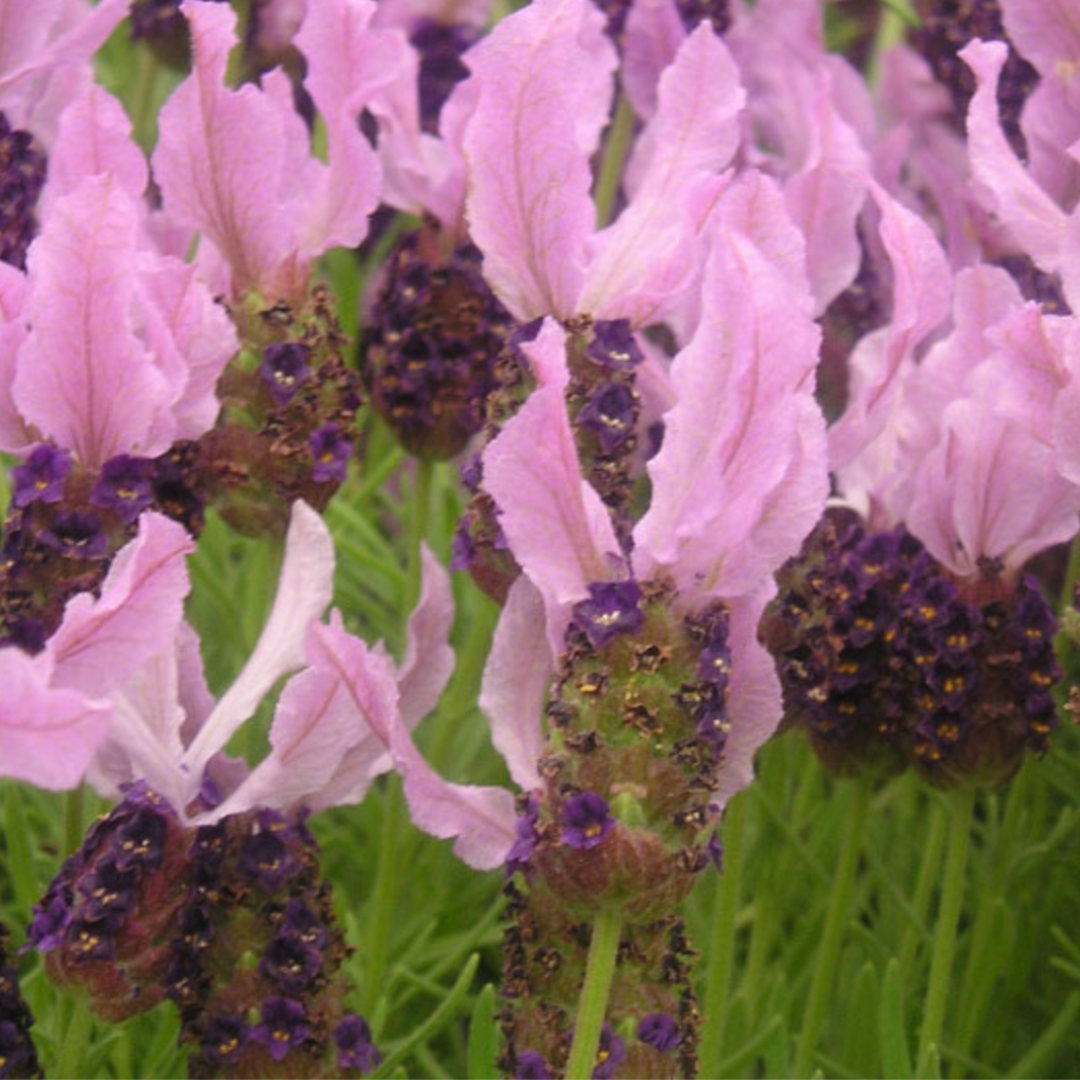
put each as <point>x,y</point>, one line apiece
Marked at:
<point>76,535</point>
<point>610,412</point>
<point>266,861</point>
<point>17,1057</point>
<point>126,487</point>
<point>352,1037</point>
<point>41,477</point>
<point>283,1026</point>
<point>532,1066</point>
<point>224,1040</point>
<point>331,451</point>
<point>284,370</point>
<point>527,838</point>
<point>660,1031</point>
<point>613,345</point>
<point>610,1055</point>
<point>22,176</point>
<point>291,965</point>
<point>586,821</point>
<point>612,609</point>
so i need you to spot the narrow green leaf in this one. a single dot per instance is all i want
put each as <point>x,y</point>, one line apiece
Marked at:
<point>483,1037</point>
<point>895,1056</point>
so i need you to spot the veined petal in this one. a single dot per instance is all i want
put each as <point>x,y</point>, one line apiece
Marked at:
<point>1037,223</point>
<point>94,138</point>
<point>755,703</point>
<point>481,820</point>
<point>740,478</point>
<point>221,155</point>
<point>348,64</point>
<point>649,252</point>
<point>922,290</point>
<point>1047,33</point>
<point>102,642</point>
<point>654,31</point>
<point>989,490</point>
<point>47,736</point>
<point>529,206</point>
<point>189,324</point>
<point>429,660</point>
<point>304,592</point>
<point>559,529</point>
<point>84,378</point>
<point>516,681</point>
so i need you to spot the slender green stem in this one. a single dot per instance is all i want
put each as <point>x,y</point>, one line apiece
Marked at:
<point>418,528</point>
<point>20,859</point>
<point>924,887</point>
<point>722,940</point>
<point>836,920</point>
<point>892,26</point>
<point>961,809</point>
<point>73,1043</point>
<point>611,167</point>
<point>599,971</point>
<point>74,818</point>
<point>144,120</point>
<point>383,901</point>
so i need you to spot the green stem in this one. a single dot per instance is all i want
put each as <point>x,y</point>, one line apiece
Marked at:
<point>144,120</point>
<point>76,1036</point>
<point>891,30</point>
<point>611,167</point>
<point>836,920</point>
<point>599,971</point>
<point>924,888</point>
<point>74,818</point>
<point>418,528</point>
<point>386,887</point>
<point>961,809</point>
<point>722,940</point>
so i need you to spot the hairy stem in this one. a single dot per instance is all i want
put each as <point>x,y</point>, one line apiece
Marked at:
<point>722,940</point>
<point>599,971</point>
<point>836,920</point>
<point>962,804</point>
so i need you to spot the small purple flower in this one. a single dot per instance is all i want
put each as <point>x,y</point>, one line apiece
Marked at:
<point>532,1066</point>
<point>612,609</point>
<point>331,451</point>
<point>462,548</point>
<point>587,820</point>
<point>527,838</point>
<point>355,1048</point>
<point>610,1055</point>
<point>613,345</point>
<point>265,860</point>
<point>283,1026</point>
<point>41,477</point>
<point>75,535</point>
<point>715,850</point>
<point>301,923</point>
<point>224,1039</point>
<point>659,1031</point>
<point>141,841</point>
<point>472,473</point>
<point>611,413</point>
<point>284,370</point>
<point>290,965</point>
<point>125,487</point>
<point>49,923</point>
